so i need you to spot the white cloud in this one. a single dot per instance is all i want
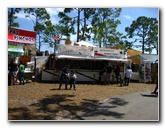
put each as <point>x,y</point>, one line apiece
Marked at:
<point>22,15</point>
<point>53,14</point>
<point>73,38</point>
<point>128,17</point>
<point>54,11</point>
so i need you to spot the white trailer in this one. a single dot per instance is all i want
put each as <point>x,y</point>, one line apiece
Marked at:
<point>87,62</point>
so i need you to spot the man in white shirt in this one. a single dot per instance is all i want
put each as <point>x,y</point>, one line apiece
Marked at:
<point>128,75</point>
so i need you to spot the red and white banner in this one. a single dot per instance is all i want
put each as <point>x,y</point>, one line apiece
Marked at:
<point>108,52</point>
<point>21,36</point>
<point>57,38</point>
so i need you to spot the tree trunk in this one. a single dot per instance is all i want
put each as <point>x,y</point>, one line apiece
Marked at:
<point>78,25</point>
<point>143,43</point>
<point>11,18</point>
<point>83,33</point>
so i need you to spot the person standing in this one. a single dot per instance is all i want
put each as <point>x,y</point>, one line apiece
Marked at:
<point>113,74</point>
<point>156,87</point>
<point>108,73</point>
<point>72,81</point>
<point>128,75</point>
<point>103,74</point>
<point>13,70</point>
<point>64,76</point>
<point>117,73</point>
<point>21,73</point>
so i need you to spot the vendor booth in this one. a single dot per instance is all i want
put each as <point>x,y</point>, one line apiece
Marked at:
<point>142,65</point>
<point>88,62</point>
<point>21,46</point>
<point>21,42</point>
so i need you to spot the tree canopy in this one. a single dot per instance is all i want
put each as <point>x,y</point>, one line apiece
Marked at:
<point>96,24</point>
<point>12,17</point>
<point>41,20</point>
<point>144,31</point>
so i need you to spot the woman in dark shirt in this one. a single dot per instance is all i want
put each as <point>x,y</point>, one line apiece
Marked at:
<point>13,70</point>
<point>65,76</point>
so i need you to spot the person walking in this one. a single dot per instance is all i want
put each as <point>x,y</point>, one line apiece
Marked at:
<point>13,70</point>
<point>128,75</point>
<point>21,73</point>
<point>64,76</point>
<point>72,80</point>
<point>156,88</point>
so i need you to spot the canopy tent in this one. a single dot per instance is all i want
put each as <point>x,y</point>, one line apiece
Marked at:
<point>150,57</point>
<point>137,57</point>
<point>134,55</point>
<point>84,43</point>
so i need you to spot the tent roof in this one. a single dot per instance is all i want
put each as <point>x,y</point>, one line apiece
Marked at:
<point>151,57</point>
<point>131,53</point>
<point>85,43</point>
<point>134,55</point>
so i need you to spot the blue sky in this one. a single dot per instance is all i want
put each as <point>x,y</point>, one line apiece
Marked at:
<point>126,17</point>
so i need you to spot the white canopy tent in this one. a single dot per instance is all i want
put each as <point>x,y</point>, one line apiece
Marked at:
<point>82,42</point>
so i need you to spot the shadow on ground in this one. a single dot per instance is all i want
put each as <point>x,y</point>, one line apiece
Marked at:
<point>55,107</point>
<point>149,95</point>
<point>104,109</point>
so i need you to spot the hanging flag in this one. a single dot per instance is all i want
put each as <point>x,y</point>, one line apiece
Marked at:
<point>56,38</point>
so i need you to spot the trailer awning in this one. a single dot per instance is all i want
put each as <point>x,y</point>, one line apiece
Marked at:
<point>76,57</point>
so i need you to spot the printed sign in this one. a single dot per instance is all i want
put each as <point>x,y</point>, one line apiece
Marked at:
<point>21,36</point>
<point>94,52</point>
<point>108,52</point>
<point>73,50</point>
<point>15,48</point>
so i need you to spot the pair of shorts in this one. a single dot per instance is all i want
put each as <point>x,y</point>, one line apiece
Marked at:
<point>14,73</point>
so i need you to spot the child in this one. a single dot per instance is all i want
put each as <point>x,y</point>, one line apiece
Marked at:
<point>73,78</point>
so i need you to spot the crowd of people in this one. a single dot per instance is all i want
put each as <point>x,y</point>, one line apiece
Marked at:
<point>109,71</point>
<point>69,77</point>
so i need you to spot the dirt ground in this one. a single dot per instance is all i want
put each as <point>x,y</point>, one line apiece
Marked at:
<point>43,101</point>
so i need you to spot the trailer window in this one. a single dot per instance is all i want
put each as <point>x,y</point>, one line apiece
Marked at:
<point>81,64</point>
